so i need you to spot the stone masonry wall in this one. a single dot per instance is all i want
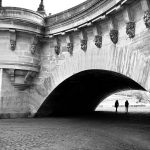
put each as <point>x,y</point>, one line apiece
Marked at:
<point>130,56</point>
<point>38,64</point>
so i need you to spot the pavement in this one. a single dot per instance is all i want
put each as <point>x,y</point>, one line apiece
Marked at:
<point>102,131</point>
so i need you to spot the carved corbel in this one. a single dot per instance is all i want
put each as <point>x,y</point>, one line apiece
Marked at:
<point>146,9</point>
<point>98,36</point>
<point>83,40</point>
<point>34,43</point>
<point>146,18</point>
<point>12,39</point>
<point>114,36</point>
<point>57,49</point>
<point>57,46</point>
<point>130,24</point>
<point>98,41</point>
<point>113,30</point>
<point>69,44</point>
<point>84,45</point>
<point>70,48</point>
<point>130,29</point>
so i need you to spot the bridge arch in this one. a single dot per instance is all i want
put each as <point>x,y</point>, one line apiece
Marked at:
<point>82,92</point>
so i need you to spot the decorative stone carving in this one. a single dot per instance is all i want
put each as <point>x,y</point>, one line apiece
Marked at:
<point>12,39</point>
<point>84,45</point>
<point>34,43</point>
<point>57,49</point>
<point>146,19</point>
<point>98,41</point>
<point>33,48</point>
<point>114,36</point>
<point>70,48</point>
<point>12,45</point>
<point>130,29</point>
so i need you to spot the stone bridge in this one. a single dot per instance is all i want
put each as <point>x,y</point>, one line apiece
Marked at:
<point>69,62</point>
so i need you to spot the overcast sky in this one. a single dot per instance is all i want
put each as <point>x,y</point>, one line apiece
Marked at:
<point>51,6</point>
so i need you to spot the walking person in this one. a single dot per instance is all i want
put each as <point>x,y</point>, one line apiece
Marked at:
<point>126,106</point>
<point>116,105</point>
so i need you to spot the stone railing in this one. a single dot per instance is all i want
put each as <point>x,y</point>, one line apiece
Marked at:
<point>86,12</point>
<point>21,14</point>
<point>71,12</point>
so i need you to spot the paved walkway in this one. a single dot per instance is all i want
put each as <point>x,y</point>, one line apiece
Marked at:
<point>75,134</point>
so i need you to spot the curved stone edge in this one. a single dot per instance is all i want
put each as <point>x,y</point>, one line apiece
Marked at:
<point>97,11</point>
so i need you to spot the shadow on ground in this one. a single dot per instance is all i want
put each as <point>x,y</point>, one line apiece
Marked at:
<point>109,116</point>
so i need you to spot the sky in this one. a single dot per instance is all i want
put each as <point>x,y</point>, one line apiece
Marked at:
<point>51,6</point>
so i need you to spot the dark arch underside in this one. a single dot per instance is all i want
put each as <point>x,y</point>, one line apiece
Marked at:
<point>82,92</point>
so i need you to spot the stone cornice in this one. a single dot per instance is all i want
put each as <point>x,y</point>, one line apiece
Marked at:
<point>79,16</point>
<point>88,14</point>
<point>70,13</point>
<point>23,19</point>
<point>23,14</point>
<point>18,24</point>
<point>21,66</point>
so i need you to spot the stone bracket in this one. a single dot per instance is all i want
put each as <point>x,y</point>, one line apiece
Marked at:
<point>83,40</point>
<point>146,9</point>
<point>57,46</point>
<point>12,39</point>
<point>21,79</point>
<point>70,48</point>
<point>146,19</point>
<point>34,43</point>
<point>113,30</point>
<point>130,24</point>
<point>130,29</point>
<point>98,36</point>
<point>114,36</point>
<point>69,44</point>
<point>98,40</point>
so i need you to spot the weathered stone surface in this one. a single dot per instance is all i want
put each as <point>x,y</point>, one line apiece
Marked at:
<point>49,59</point>
<point>130,29</point>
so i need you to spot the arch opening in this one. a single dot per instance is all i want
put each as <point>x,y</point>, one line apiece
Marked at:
<point>82,92</point>
<point>139,102</point>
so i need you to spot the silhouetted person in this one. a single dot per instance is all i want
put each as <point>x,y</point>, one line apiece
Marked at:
<point>126,105</point>
<point>116,105</point>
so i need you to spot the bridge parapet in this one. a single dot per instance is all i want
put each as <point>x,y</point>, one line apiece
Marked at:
<point>82,15</point>
<point>21,19</point>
